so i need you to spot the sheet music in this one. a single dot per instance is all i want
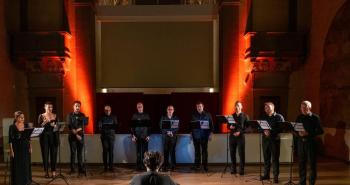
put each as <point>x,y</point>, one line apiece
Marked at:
<point>59,127</point>
<point>230,120</point>
<point>204,124</point>
<point>264,124</point>
<point>108,123</point>
<point>174,124</point>
<point>299,127</point>
<point>36,132</point>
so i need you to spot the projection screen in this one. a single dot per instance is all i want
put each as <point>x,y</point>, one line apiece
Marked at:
<point>161,54</point>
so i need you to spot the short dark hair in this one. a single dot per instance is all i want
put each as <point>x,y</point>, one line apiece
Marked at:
<point>153,160</point>
<point>269,104</point>
<point>199,102</point>
<point>48,103</point>
<point>237,102</point>
<point>77,101</point>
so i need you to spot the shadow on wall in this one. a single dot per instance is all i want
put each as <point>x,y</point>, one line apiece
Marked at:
<point>336,145</point>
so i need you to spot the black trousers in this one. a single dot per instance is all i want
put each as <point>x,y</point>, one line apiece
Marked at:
<point>141,148</point>
<point>49,145</point>
<point>307,154</point>
<point>237,142</point>
<point>200,151</point>
<point>107,141</point>
<point>169,144</point>
<point>76,150</point>
<point>271,150</point>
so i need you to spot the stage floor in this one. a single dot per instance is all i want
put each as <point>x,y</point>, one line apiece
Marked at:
<point>330,173</point>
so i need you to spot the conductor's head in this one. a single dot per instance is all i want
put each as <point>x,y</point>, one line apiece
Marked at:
<point>153,160</point>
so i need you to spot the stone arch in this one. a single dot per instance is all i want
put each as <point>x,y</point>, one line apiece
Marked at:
<point>335,85</point>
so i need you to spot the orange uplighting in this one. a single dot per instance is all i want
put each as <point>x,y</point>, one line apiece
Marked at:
<point>236,72</point>
<point>78,80</point>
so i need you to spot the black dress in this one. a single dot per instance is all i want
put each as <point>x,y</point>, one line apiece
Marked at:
<point>21,172</point>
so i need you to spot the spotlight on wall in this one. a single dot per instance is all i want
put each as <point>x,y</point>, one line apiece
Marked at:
<point>211,90</point>
<point>104,90</point>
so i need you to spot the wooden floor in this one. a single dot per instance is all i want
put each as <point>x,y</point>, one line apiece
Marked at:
<point>330,173</point>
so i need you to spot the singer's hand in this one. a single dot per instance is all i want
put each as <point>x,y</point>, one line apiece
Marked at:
<point>12,153</point>
<point>45,120</point>
<point>211,136</point>
<point>170,133</point>
<point>133,138</point>
<point>237,134</point>
<point>267,133</point>
<point>74,131</point>
<point>147,138</point>
<point>303,133</point>
<point>232,127</point>
<point>79,137</point>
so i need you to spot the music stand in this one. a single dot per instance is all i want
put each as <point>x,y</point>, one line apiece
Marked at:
<point>221,119</point>
<point>59,128</point>
<point>292,127</point>
<point>260,126</point>
<point>32,133</point>
<point>166,124</point>
<point>194,125</point>
<point>85,121</point>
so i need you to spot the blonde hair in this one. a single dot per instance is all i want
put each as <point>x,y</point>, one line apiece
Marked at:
<point>307,103</point>
<point>17,114</point>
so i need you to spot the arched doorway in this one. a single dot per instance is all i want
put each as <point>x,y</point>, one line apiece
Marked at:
<point>335,86</point>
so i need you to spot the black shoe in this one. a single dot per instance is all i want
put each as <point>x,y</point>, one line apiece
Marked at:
<point>233,171</point>
<point>205,168</point>
<point>195,167</point>
<point>241,172</point>
<point>47,175</point>
<point>111,169</point>
<point>275,180</point>
<point>172,168</point>
<point>72,171</point>
<point>82,171</point>
<point>265,177</point>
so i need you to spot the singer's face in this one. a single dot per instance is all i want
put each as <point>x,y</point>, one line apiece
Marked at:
<point>108,110</point>
<point>20,118</point>
<point>200,107</point>
<point>170,110</point>
<point>269,109</point>
<point>304,109</point>
<point>76,107</point>
<point>238,107</point>
<point>48,108</point>
<point>139,107</point>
